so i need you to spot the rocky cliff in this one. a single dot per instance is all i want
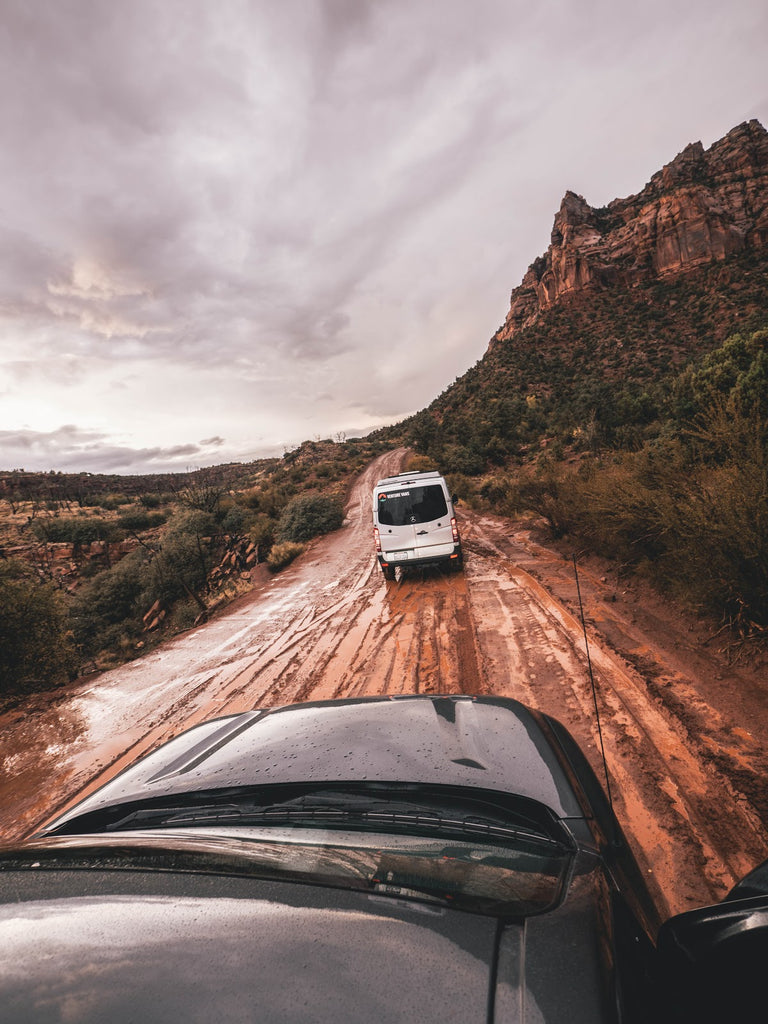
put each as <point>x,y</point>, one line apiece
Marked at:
<point>703,206</point>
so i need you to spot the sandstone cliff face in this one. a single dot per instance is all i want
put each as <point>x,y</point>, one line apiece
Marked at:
<point>701,207</point>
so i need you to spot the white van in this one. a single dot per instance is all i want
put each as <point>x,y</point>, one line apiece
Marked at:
<point>414,522</point>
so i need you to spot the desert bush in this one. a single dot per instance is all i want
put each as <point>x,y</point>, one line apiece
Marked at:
<point>184,615</point>
<point>546,490</point>
<point>720,523</point>
<point>696,525</point>
<point>238,519</point>
<point>460,459</point>
<point>186,556</point>
<point>420,464</point>
<point>110,605</point>
<point>270,499</point>
<point>111,502</point>
<point>151,501</point>
<point>79,531</point>
<point>283,554</point>
<point>261,530</point>
<point>310,515</point>
<point>36,649</point>
<point>135,522</point>
<point>204,492</point>
<point>718,551</point>
<point>462,487</point>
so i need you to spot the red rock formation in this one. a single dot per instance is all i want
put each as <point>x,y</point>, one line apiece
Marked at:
<point>703,206</point>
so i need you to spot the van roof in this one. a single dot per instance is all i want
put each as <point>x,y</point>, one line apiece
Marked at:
<point>403,478</point>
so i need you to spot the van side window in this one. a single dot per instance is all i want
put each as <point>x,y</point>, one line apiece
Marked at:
<point>418,505</point>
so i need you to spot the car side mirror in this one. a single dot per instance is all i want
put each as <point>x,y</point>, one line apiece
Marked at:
<point>713,961</point>
<point>753,884</point>
<point>455,499</point>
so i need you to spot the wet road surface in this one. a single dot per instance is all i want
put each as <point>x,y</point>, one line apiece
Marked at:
<point>330,626</point>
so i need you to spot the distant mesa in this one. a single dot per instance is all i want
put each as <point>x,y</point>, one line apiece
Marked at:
<point>703,206</point>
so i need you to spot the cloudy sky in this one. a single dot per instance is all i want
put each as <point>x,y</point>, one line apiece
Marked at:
<point>228,226</point>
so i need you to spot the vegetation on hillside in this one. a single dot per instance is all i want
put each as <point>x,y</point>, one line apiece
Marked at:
<point>668,477</point>
<point>592,373</point>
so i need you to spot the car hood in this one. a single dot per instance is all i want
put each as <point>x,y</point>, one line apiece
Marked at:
<point>473,742</point>
<point>100,945</point>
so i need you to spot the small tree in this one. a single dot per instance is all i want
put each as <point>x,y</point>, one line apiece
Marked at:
<point>36,651</point>
<point>203,492</point>
<point>309,516</point>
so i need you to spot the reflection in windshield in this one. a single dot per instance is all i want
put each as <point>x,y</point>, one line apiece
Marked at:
<point>415,505</point>
<point>487,878</point>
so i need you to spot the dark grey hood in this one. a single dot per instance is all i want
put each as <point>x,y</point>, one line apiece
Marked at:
<point>488,743</point>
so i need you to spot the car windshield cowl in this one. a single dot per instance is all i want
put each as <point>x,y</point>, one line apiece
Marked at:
<point>307,813</point>
<point>397,809</point>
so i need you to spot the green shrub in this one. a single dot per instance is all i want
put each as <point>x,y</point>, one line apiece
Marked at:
<point>184,615</point>
<point>186,556</point>
<point>694,521</point>
<point>459,459</point>
<point>111,502</point>
<point>192,523</point>
<point>308,516</point>
<point>111,603</point>
<point>36,649</point>
<point>80,531</point>
<point>135,522</point>
<point>235,520</point>
<point>262,530</point>
<point>283,554</point>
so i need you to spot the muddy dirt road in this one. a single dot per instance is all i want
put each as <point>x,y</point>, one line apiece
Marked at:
<point>685,737</point>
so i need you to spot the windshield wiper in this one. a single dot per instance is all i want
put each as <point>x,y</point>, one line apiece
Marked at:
<point>341,811</point>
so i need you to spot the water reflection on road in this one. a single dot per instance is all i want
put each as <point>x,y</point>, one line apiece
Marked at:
<point>245,657</point>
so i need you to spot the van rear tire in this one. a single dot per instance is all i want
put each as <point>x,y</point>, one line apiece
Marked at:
<point>389,572</point>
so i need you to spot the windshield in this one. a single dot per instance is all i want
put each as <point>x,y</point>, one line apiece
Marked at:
<point>412,505</point>
<point>479,851</point>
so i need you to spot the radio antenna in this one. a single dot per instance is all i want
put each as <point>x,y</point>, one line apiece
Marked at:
<point>592,681</point>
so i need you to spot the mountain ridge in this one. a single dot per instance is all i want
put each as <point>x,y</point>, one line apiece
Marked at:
<point>703,206</point>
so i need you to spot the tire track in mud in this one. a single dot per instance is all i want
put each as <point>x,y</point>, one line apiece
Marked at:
<point>328,626</point>
<point>681,816</point>
<point>410,636</point>
<point>82,735</point>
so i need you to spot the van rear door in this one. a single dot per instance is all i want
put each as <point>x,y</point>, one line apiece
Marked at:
<point>414,522</point>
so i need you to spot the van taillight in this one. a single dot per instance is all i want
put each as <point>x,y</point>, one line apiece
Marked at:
<point>376,538</point>
<point>455,530</point>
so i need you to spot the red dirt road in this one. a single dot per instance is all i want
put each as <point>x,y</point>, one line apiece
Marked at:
<point>685,737</point>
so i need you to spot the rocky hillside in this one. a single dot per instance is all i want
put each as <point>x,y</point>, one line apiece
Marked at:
<point>704,206</point>
<point>606,320</point>
<point>624,401</point>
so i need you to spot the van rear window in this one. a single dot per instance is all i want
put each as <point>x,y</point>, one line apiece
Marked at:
<point>417,505</point>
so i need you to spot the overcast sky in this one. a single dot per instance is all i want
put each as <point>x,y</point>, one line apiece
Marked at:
<point>232,225</point>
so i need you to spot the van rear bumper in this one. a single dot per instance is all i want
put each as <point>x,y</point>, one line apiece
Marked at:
<point>445,553</point>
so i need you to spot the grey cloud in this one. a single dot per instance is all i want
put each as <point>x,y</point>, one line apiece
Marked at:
<point>76,448</point>
<point>270,196</point>
<point>147,209</point>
